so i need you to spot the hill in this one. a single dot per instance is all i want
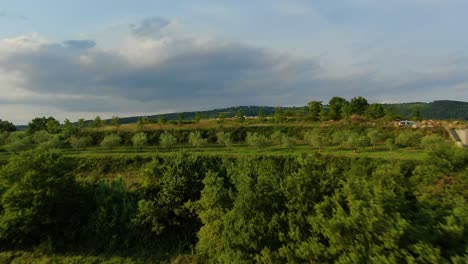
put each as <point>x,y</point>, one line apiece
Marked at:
<point>443,109</point>
<point>439,110</point>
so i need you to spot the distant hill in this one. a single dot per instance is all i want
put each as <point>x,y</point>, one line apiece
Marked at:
<point>443,109</point>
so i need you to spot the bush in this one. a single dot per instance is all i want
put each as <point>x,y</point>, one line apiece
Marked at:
<point>277,137</point>
<point>167,140</point>
<point>111,141</point>
<point>52,143</point>
<point>316,139</point>
<point>38,199</point>
<point>256,140</point>
<point>356,141</point>
<point>432,141</point>
<point>223,138</point>
<point>80,143</point>
<point>41,137</point>
<point>196,140</point>
<point>408,139</point>
<point>375,136</point>
<point>139,140</point>
<point>18,141</point>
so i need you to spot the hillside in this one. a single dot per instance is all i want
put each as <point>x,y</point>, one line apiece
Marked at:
<point>443,109</point>
<point>439,110</point>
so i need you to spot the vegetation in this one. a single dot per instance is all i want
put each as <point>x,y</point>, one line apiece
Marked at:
<point>239,210</point>
<point>277,189</point>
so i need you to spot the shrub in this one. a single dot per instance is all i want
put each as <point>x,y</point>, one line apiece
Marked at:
<point>256,140</point>
<point>223,138</point>
<point>139,140</point>
<point>408,139</point>
<point>80,143</point>
<point>111,141</point>
<point>167,140</point>
<point>196,140</point>
<point>52,143</point>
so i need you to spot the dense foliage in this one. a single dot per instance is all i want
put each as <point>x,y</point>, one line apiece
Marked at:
<point>275,209</point>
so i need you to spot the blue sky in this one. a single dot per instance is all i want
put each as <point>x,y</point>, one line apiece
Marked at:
<point>86,58</point>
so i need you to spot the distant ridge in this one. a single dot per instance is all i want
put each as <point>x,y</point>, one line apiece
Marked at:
<point>438,110</point>
<point>441,109</point>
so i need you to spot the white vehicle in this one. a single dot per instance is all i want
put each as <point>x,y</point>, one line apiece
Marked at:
<point>407,123</point>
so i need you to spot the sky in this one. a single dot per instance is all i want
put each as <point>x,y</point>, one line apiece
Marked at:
<point>79,59</point>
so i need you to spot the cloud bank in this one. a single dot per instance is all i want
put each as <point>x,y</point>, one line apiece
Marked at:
<point>153,70</point>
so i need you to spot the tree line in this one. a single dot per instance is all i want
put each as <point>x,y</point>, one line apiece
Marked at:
<point>342,136</point>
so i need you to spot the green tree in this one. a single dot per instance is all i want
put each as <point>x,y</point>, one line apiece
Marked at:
<point>324,114</point>
<point>261,115</point>
<point>433,141</point>
<point>196,139</point>
<point>336,105</point>
<point>18,141</point>
<point>49,124</point>
<point>53,143</point>
<point>277,137</point>
<point>167,190</point>
<point>375,136</point>
<point>408,139</point>
<point>287,141</point>
<point>162,120</point>
<point>374,111</point>
<point>68,129</point>
<point>3,137</point>
<point>346,112</point>
<point>140,124</point>
<point>39,200</point>
<point>6,126</point>
<point>315,107</point>
<point>111,141</point>
<point>240,116</point>
<point>361,222</point>
<point>356,141</point>
<point>180,118</point>
<point>256,140</point>
<point>115,121</point>
<point>339,138</point>
<point>221,118</point>
<point>280,116</point>
<point>52,125</point>
<point>198,117</point>
<point>223,138</point>
<point>97,122</point>
<point>211,208</point>
<point>358,105</point>
<point>81,142</point>
<point>316,139</point>
<point>41,137</point>
<point>109,226</point>
<point>140,140</point>
<point>81,124</point>
<point>167,140</point>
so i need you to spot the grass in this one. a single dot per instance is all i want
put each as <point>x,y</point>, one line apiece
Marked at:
<point>243,149</point>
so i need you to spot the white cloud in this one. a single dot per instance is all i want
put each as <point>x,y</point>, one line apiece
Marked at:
<point>151,73</point>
